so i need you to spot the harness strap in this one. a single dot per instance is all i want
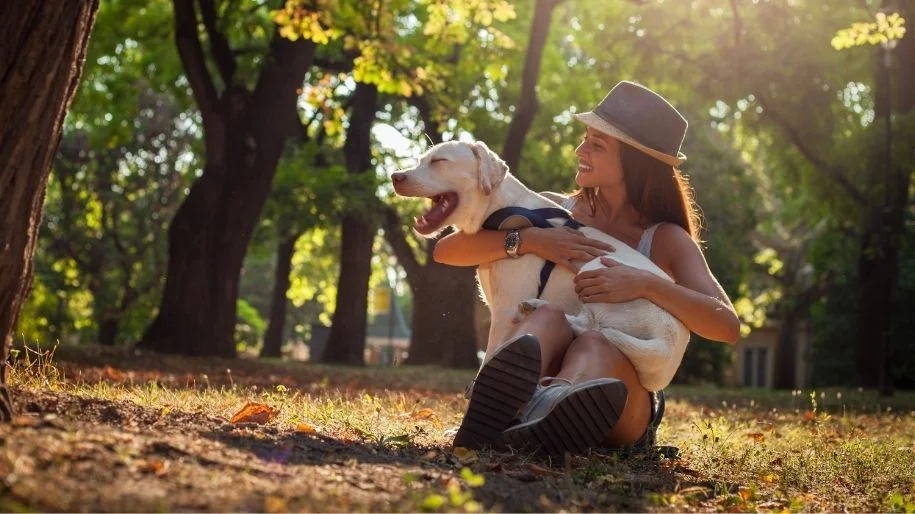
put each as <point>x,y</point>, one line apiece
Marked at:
<point>538,218</point>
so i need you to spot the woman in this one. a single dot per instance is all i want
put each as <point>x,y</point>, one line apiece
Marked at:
<point>630,188</point>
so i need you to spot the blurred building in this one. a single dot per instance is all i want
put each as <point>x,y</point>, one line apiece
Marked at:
<point>754,357</point>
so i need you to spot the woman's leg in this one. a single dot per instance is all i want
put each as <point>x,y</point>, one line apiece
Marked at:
<point>549,325</point>
<point>591,356</point>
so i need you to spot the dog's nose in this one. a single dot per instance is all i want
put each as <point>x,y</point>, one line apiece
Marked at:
<point>398,177</point>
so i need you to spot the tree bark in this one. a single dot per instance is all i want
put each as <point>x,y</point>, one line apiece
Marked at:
<point>527,101</point>
<point>244,134</point>
<point>273,339</point>
<point>41,61</point>
<point>878,262</point>
<point>443,296</point>
<point>443,309</point>
<point>346,342</point>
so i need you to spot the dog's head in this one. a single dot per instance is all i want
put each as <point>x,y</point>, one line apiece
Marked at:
<point>459,178</point>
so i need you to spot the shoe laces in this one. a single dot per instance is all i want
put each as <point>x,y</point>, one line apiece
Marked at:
<point>543,397</point>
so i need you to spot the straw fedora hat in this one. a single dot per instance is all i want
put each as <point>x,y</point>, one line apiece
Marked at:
<point>638,116</point>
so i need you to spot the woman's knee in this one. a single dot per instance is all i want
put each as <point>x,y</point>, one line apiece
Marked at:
<point>593,345</point>
<point>548,315</point>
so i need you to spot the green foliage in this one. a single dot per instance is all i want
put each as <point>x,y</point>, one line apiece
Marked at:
<point>249,326</point>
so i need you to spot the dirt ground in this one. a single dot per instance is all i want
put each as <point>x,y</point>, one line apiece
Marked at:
<point>68,451</point>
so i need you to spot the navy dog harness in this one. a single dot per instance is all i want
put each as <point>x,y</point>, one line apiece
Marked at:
<point>538,218</point>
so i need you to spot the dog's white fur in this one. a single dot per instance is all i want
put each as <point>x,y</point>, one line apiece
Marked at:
<point>653,339</point>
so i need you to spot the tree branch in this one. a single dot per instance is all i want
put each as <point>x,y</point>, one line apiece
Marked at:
<point>528,105</point>
<point>836,174</point>
<point>394,234</point>
<point>421,102</point>
<point>194,62</point>
<point>219,45</point>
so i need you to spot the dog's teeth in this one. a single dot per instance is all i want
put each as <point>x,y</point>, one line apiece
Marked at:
<point>444,204</point>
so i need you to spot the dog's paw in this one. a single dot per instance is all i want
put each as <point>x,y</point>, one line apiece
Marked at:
<point>580,323</point>
<point>525,309</point>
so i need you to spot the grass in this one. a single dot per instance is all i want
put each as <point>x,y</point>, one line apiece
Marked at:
<point>378,439</point>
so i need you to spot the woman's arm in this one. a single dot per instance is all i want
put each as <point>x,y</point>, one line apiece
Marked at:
<point>695,297</point>
<point>562,245</point>
<point>461,249</point>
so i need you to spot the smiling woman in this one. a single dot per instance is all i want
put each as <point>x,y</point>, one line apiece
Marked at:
<point>631,190</point>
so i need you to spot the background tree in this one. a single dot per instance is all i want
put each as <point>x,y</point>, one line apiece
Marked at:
<point>245,128</point>
<point>46,40</point>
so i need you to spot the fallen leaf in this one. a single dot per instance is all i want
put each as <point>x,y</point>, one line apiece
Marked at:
<point>542,471</point>
<point>425,413</point>
<point>306,428</point>
<point>25,420</point>
<point>464,455</point>
<point>255,413</point>
<point>770,478</point>
<point>757,436</point>
<point>157,467</point>
<point>745,494</point>
<point>810,416</point>
<point>275,504</point>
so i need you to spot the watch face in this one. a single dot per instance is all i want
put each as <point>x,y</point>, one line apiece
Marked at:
<point>512,240</point>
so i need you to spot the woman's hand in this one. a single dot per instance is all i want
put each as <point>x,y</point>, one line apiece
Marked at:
<point>565,246</point>
<point>616,283</point>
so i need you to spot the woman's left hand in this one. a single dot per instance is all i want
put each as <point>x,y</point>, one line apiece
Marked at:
<point>616,283</point>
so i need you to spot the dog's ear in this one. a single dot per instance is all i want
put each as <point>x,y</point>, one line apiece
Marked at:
<point>491,169</point>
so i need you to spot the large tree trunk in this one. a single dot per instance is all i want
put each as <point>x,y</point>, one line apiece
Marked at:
<point>444,298</point>
<point>245,132</point>
<point>41,59</point>
<point>878,261</point>
<point>273,339</point>
<point>346,342</point>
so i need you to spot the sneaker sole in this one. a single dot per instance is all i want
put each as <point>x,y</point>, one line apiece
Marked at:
<point>580,421</point>
<point>504,385</point>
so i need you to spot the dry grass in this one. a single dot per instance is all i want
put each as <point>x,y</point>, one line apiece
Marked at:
<point>157,427</point>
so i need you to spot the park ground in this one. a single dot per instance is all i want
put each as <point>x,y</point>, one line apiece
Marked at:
<point>102,429</point>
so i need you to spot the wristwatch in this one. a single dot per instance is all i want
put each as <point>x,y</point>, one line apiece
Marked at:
<point>512,243</point>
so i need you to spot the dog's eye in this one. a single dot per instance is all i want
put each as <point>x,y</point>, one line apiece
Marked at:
<point>437,159</point>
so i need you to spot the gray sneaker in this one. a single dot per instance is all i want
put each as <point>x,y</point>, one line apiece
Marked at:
<point>504,384</point>
<point>562,417</point>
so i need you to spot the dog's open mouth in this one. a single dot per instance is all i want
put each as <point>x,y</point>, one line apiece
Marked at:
<point>442,207</point>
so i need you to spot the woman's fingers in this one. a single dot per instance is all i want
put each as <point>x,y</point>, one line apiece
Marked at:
<point>596,243</point>
<point>593,252</point>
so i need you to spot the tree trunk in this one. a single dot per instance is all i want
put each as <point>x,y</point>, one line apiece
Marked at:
<point>443,311</point>
<point>108,331</point>
<point>528,105</point>
<point>244,134</point>
<point>41,60</point>
<point>273,339</point>
<point>879,258</point>
<point>786,348</point>
<point>346,342</point>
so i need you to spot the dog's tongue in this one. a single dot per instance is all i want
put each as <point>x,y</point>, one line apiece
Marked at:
<point>442,207</point>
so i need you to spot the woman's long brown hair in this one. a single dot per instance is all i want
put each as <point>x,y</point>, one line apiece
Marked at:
<point>657,191</point>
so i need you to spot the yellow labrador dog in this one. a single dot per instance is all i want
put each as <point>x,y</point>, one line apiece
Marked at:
<point>467,183</point>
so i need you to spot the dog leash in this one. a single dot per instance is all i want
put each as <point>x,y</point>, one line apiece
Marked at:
<point>538,218</point>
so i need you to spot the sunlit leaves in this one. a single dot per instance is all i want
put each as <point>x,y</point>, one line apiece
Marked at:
<point>297,21</point>
<point>884,30</point>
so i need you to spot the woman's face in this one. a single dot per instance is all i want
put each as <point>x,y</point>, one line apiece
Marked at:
<point>599,163</point>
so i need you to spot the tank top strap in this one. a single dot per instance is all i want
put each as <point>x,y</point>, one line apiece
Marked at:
<point>644,247</point>
<point>568,203</point>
